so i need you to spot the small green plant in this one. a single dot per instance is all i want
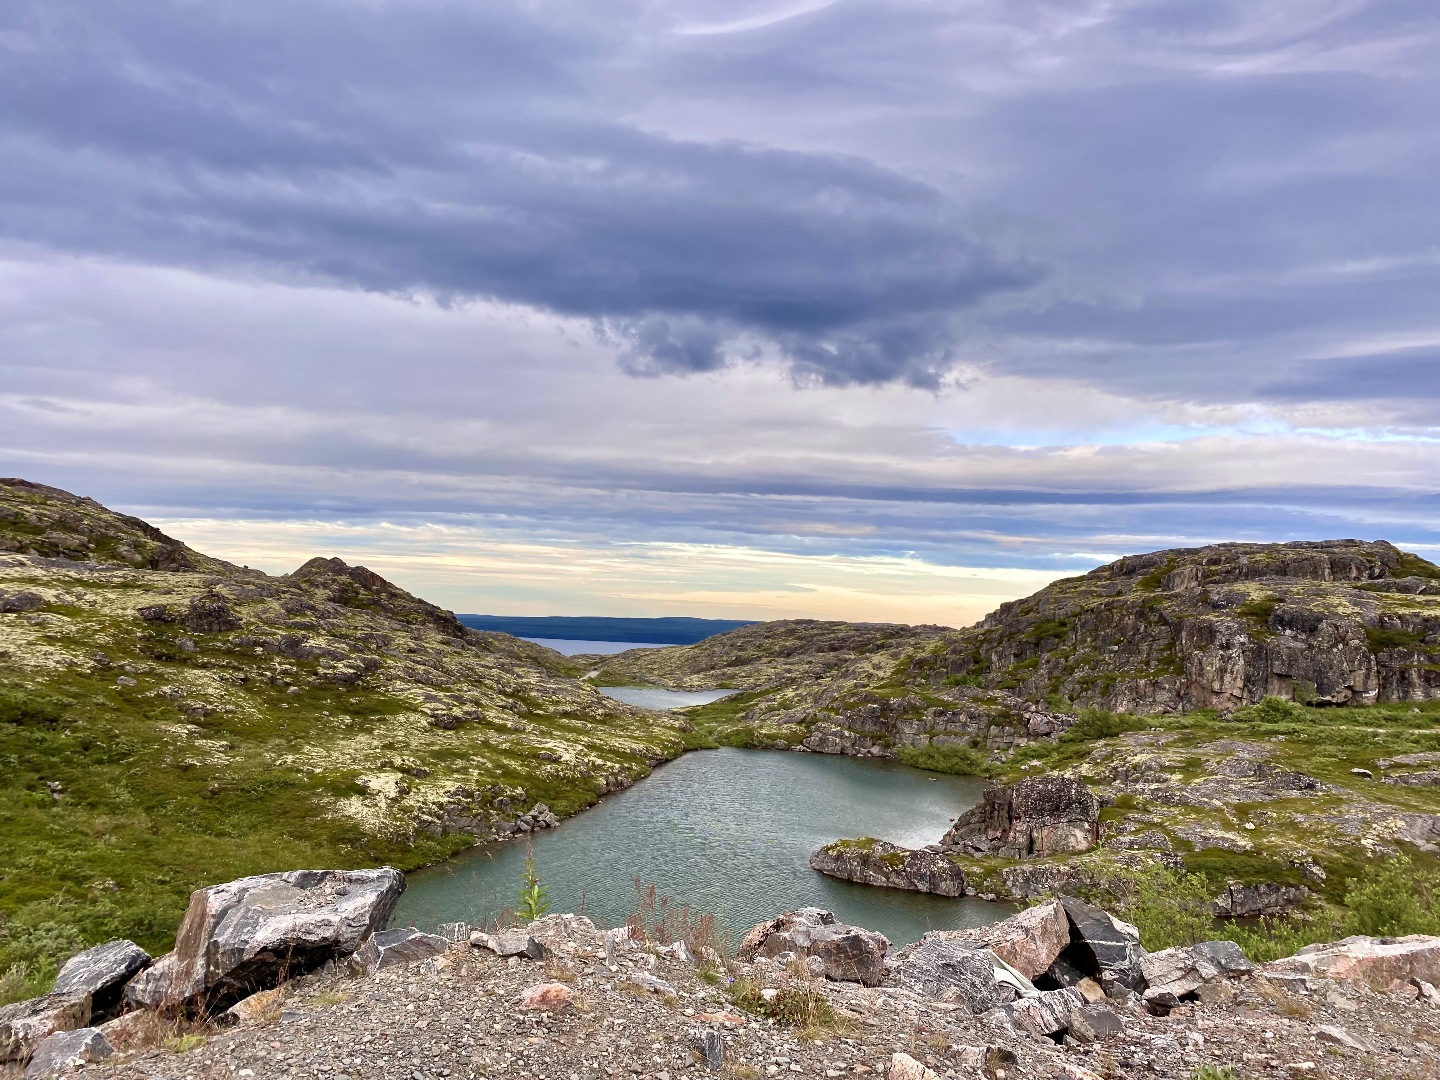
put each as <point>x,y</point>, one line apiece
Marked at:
<point>534,900</point>
<point>1168,908</point>
<point>184,1043</point>
<point>1214,1072</point>
<point>1382,638</point>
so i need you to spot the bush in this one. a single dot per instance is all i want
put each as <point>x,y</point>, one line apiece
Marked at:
<point>1271,710</point>
<point>1097,724</point>
<point>1394,900</point>
<point>955,759</point>
<point>1168,908</point>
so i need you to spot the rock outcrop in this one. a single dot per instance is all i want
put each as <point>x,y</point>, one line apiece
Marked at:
<point>1380,963</point>
<point>879,862</point>
<point>1037,817</point>
<point>1172,975</point>
<point>249,934</point>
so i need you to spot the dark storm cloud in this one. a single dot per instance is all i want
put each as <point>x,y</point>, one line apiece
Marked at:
<point>422,148</point>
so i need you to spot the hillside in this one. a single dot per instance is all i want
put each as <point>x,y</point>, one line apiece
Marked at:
<point>168,719</point>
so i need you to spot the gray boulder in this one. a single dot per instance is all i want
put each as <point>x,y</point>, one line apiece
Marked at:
<point>1032,819</point>
<point>387,948</point>
<point>948,968</point>
<point>1173,974</point>
<point>102,972</point>
<point>248,935</point>
<point>846,953</point>
<point>1047,1013</point>
<point>65,1051</point>
<point>709,1047</point>
<point>26,1024</point>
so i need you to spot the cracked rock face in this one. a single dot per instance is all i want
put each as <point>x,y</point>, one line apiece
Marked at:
<point>242,936</point>
<point>1035,818</point>
<point>26,1024</point>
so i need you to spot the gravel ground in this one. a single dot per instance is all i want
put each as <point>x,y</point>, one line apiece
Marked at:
<point>462,1016</point>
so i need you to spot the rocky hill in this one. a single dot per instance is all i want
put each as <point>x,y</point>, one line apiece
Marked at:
<point>1341,622</point>
<point>168,718</point>
<point>767,656</point>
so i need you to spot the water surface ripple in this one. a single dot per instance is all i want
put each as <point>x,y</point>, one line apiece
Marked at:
<point>726,831</point>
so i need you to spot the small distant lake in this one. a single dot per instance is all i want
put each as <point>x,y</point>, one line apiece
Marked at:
<point>568,647</point>
<point>646,697</point>
<point>728,832</point>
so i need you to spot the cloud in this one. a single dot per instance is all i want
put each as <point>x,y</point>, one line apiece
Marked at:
<point>133,137</point>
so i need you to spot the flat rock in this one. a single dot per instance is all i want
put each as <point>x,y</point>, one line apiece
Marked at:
<point>547,997</point>
<point>940,967</point>
<point>26,1024</point>
<point>65,1051</point>
<point>403,945</point>
<point>1047,1013</point>
<point>1173,974</point>
<point>250,934</point>
<point>509,943</point>
<point>905,1067</point>
<point>878,862</point>
<point>1377,962</point>
<point>1338,1036</point>
<point>102,972</point>
<point>652,983</point>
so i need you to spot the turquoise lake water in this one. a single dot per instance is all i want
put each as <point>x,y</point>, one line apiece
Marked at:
<point>728,832</point>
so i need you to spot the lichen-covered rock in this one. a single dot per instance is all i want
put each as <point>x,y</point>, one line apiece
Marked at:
<point>24,1025</point>
<point>1037,817</point>
<point>878,862</point>
<point>247,935</point>
<point>1266,898</point>
<point>102,972</point>
<point>846,953</point>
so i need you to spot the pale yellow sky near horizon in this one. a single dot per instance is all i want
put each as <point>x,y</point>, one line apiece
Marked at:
<point>469,570</point>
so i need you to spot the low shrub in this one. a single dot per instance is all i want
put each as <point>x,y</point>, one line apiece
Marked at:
<point>959,760</point>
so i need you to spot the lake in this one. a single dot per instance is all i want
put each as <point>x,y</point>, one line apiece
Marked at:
<point>649,697</point>
<point>569,647</point>
<point>729,832</point>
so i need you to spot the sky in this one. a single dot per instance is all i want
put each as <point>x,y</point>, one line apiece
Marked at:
<point>764,308</point>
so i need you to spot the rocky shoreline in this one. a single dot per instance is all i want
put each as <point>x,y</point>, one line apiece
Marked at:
<point>292,976</point>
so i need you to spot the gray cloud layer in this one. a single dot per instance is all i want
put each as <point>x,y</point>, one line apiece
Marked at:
<point>868,192</point>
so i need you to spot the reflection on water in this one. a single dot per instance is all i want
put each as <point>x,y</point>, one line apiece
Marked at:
<point>724,831</point>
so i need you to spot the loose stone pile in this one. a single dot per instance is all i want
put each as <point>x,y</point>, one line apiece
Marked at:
<point>1060,990</point>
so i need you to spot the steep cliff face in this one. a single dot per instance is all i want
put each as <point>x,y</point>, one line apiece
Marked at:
<point>1334,622</point>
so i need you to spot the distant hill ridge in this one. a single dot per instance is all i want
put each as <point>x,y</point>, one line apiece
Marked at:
<point>669,630</point>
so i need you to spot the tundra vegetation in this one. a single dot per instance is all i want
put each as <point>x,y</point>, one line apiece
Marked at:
<point>1247,715</point>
